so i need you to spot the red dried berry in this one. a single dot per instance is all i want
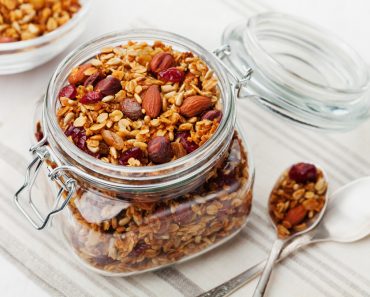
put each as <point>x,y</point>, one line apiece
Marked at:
<point>68,91</point>
<point>188,145</point>
<point>303,172</point>
<point>212,115</point>
<point>172,75</point>
<point>78,136</point>
<point>93,79</point>
<point>91,97</point>
<point>134,152</point>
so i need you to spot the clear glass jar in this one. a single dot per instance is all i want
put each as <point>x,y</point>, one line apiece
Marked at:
<point>121,220</point>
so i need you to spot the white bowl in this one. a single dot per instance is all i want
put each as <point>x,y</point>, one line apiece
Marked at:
<point>21,56</point>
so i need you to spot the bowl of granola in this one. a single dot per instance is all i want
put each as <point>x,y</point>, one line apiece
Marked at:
<point>138,134</point>
<point>33,32</point>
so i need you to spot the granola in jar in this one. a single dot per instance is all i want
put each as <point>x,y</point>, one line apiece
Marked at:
<point>298,197</point>
<point>152,167</point>
<point>121,236</point>
<point>140,105</point>
<point>28,19</point>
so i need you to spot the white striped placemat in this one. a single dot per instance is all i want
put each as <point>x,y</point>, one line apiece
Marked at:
<point>321,270</point>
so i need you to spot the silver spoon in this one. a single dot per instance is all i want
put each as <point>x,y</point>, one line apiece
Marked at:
<point>347,219</point>
<point>298,211</point>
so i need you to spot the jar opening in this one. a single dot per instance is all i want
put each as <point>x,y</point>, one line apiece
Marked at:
<point>300,71</point>
<point>304,52</point>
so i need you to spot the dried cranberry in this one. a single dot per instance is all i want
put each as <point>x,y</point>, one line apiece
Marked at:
<point>212,115</point>
<point>134,152</point>
<point>171,74</point>
<point>93,79</point>
<point>91,97</point>
<point>188,145</point>
<point>303,172</point>
<point>78,136</point>
<point>68,91</point>
<point>108,86</point>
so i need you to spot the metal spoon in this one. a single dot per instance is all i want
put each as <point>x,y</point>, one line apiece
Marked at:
<point>282,239</point>
<point>347,219</point>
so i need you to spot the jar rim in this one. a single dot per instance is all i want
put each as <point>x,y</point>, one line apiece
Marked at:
<point>280,20</point>
<point>142,172</point>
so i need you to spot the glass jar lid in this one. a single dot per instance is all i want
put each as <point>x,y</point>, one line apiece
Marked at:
<point>299,71</point>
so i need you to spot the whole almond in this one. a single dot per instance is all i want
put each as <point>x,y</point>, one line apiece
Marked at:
<point>296,215</point>
<point>112,139</point>
<point>152,101</point>
<point>161,61</point>
<point>195,105</point>
<point>77,75</point>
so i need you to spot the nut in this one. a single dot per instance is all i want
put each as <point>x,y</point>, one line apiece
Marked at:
<point>108,86</point>
<point>195,105</point>
<point>77,76</point>
<point>113,139</point>
<point>131,109</point>
<point>152,102</point>
<point>212,115</point>
<point>160,150</point>
<point>161,61</point>
<point>296,215</point>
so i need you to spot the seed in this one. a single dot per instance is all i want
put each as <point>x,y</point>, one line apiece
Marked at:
<point>179,99</point>
<point>116,115</point>
<point>102,117</point>
<point>80,121</point>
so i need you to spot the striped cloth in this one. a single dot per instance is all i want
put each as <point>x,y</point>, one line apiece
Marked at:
<point>328,269</point>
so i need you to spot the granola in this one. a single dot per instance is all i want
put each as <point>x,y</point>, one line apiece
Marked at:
<point>297,198</point>
<point>28,19</point>
<point>118,236</point>
<point>140,105</point>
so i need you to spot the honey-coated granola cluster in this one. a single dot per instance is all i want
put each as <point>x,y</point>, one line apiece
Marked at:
<point>139,104</point>
<point>28,19</point>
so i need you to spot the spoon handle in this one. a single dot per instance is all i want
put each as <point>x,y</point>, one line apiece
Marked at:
<point>274,254</point>
<point>235,283</point>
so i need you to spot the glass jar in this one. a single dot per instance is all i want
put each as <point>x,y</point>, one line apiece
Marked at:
<point>121,220</point>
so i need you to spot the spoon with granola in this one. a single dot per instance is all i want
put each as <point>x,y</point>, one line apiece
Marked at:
<point>296,205</point>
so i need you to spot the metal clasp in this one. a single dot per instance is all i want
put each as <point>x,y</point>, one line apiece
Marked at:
<point>67,187</point>
<point>247,71</point>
